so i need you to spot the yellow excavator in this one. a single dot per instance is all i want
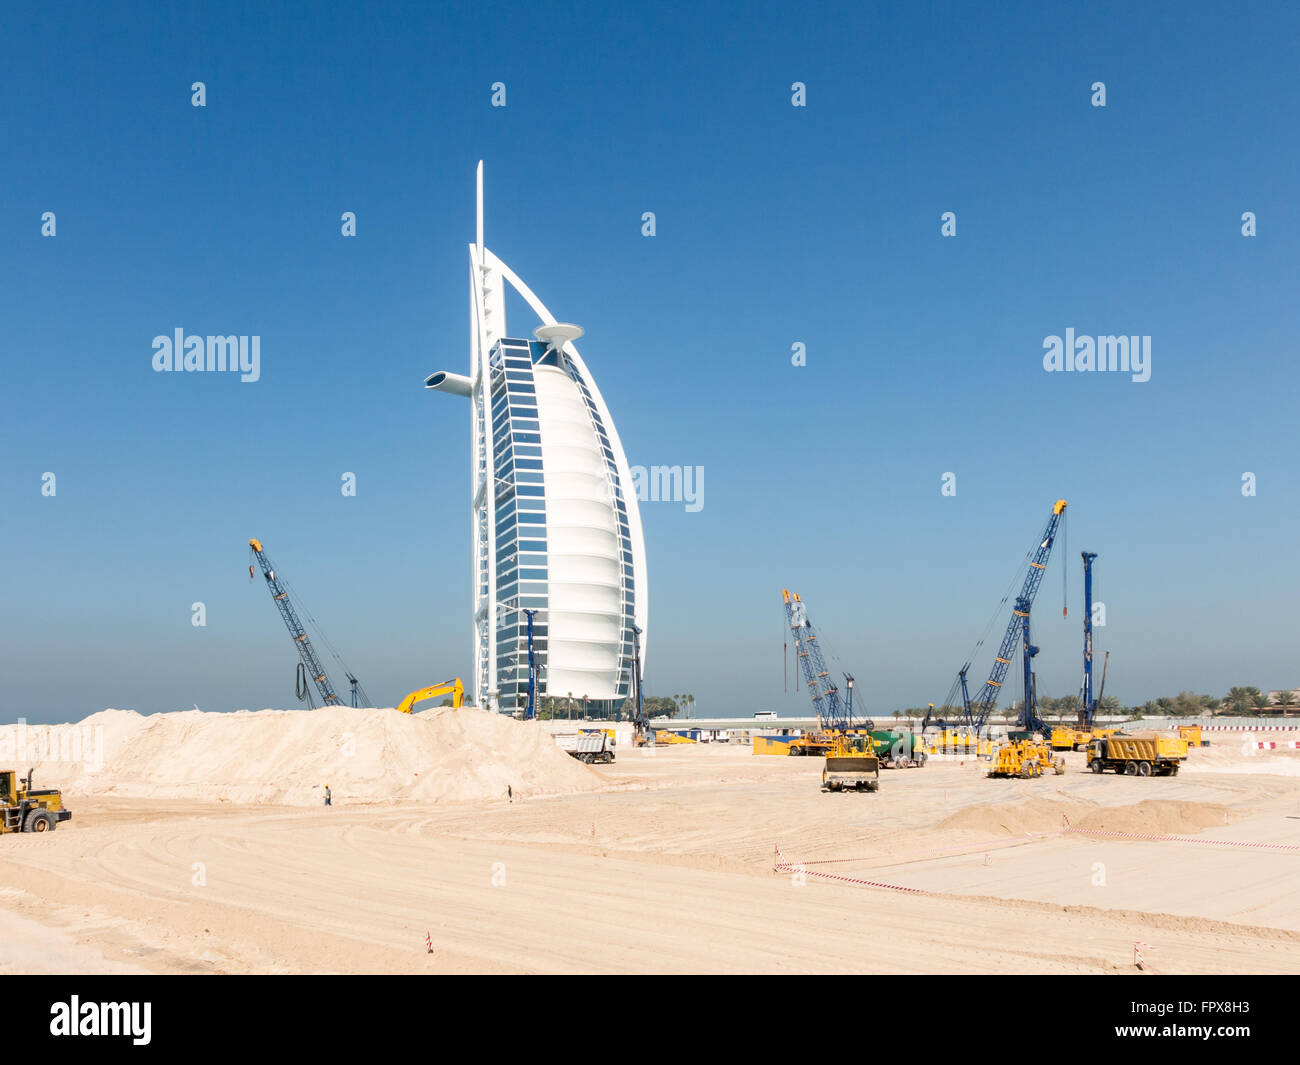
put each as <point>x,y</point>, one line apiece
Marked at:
<point>456,688</point>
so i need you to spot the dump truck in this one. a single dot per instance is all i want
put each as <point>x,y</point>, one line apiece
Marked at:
<point>1024,759</point>
<point>953,741</point>
<point>1192,734</point>
<point>1070,738</point>
<point>851,765</point>
<point>1066,738</point>
<point>898,750</point>
<point>27,809</point>
<point>1139,755</point>
<point>586,747</point>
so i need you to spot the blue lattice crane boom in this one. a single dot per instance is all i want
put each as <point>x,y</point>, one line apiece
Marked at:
<point>977,710</point>
<point>1087,702</point>
<point>306,652</point>
<point>832,712</point>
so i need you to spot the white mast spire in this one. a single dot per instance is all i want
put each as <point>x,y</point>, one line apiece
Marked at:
<point>479,229</point>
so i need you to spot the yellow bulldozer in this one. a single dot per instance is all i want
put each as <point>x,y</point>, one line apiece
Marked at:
<point>27,809</point>
<point>851,765</point>
<point>455,687</point>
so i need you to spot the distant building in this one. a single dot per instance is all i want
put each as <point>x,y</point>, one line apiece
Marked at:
<point>556,526</point>
<point>1274,704</point>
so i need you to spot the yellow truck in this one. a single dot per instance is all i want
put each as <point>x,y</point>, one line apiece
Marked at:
<point>1140,755</point>
<point>1067,738</point>
<point>953,741</point>
<point>27,809</point>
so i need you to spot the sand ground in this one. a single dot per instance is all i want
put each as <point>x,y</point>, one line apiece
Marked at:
<point>669,868</point>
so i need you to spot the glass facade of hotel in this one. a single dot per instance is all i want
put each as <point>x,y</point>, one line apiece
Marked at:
<point>562,534</point>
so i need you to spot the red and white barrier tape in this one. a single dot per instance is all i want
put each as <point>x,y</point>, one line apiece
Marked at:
<point>1275,745</point>
<point>782,866</point>
<point>1137,952</point>
<point>1249,728</point>
<point>1184,839</point>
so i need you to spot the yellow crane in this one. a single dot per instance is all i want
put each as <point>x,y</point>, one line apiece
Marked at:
<point>455,686</point>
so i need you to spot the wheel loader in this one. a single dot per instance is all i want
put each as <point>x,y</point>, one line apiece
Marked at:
<point>27,809</point>
<point>851,765</point>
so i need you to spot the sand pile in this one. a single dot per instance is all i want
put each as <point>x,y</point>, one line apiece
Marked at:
<point>1155,817</point>
<point>287,756</point>
<point>1015,818</point>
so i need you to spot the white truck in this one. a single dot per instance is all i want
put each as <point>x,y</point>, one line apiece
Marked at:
<point>587,747</point>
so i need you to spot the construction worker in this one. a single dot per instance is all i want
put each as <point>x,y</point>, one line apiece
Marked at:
<point>327,794</point>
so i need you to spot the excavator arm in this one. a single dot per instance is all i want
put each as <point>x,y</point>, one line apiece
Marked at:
<point>456,688</point>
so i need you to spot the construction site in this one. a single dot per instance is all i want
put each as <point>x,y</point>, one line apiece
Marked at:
<point>427,838</point>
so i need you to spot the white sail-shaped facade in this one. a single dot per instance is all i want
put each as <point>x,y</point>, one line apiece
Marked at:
<point>556,528</point>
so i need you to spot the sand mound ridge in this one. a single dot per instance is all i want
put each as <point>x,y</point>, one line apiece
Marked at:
<point>1014,818</point>
<point>1153,817</point>
<point>287,756</point>
<point>1156,817</point>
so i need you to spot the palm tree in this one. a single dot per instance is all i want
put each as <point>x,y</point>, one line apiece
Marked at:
<point>1241,699</point>
<point>690,702</point>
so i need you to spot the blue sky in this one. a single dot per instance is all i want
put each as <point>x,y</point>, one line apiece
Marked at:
<point>775,225</point>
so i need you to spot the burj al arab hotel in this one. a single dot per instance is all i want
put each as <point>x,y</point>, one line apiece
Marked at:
<point>554,514</point>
